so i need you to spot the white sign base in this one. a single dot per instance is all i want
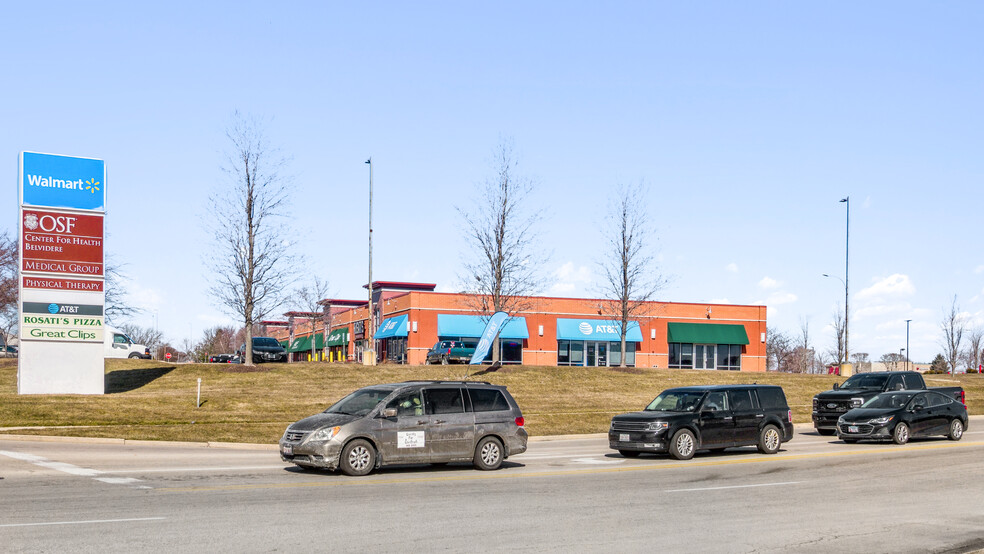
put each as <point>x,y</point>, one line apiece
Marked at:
<point>61,368</point>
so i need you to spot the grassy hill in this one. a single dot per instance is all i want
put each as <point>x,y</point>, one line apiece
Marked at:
<point>155,400</point>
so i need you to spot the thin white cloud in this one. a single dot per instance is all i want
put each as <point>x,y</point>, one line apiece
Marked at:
<point>781,297</point>
<point>732,267</point>
<point>570,272</point>
<point>893,286</point>
<point>145,298</point>
<point>768,283</point>
<point>979,269</point>
<point>562,288</point>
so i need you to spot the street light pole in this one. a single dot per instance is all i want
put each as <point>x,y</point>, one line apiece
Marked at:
<point>371,351</point>
<point>907,344</point>
<point>847,261</point>
<point>900,352</point>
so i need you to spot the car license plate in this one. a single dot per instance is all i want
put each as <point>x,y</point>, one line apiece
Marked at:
<point>852,428</point>
<point>623,437</point>
<point>288,450</point>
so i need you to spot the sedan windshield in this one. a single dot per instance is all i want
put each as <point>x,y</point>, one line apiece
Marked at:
<point>265,341</point>
<point>865,381</point>
<point>893,400</point>
<point>359,403</point>
<point>675,401</point>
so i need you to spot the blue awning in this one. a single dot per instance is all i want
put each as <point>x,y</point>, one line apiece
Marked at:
<point>471,326</point>
<point>596,329</point>
<point>393,327</point>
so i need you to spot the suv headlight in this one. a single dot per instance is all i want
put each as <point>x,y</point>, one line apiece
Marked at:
<point>325,434</point>
<point>840,420</point>
<point>856,402</point>
<point>657,426</point>
<point>881,420</point>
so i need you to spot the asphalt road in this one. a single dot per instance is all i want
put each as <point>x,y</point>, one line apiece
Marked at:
<point>816,495</point>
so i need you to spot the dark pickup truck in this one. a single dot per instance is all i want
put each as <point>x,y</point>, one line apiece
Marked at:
<point>830,405</point>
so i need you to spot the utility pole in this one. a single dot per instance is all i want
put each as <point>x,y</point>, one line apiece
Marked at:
<point>369,355</point>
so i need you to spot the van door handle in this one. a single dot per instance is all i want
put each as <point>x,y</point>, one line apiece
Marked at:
<point>439,421</point>
<point>759,416</point>
<point>421,422</point>
<point>727,418</point>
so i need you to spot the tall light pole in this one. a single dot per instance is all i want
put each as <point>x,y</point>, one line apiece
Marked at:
<point>843,282</point>
<point>847,279</point>
<point>371,351</point>
<point>907,344</point>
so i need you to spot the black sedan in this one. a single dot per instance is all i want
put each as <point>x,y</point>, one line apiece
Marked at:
<point>901,415</point>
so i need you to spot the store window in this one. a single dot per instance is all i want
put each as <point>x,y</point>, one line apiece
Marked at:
<point>705,356</point>
<point>615,353</point>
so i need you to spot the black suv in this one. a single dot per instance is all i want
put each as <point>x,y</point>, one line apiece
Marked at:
<point>683,420</point>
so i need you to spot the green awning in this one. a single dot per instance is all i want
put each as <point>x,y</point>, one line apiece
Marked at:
<point>338,337</point>
<point>300,344</point>
<point>706,333</point>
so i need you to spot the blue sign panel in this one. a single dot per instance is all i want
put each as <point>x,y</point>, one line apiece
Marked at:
<point>63,181</point>
<point>596,329</point>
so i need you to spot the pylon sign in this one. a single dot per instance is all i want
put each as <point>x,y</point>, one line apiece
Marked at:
<point>61,274</point>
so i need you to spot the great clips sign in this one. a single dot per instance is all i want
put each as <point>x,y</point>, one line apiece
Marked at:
<point>63,182</point>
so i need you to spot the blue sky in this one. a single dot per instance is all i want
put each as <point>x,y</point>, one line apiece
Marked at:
<point>747,121</point>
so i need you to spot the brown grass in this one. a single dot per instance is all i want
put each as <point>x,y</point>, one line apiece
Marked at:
<point>155,400</point>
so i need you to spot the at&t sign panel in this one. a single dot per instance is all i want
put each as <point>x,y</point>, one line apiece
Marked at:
<point>61,303</point>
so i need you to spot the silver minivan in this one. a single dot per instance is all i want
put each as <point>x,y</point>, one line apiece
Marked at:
<point>415,422</point>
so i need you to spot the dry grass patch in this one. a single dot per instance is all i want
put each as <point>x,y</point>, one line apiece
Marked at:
<point>154,400</point>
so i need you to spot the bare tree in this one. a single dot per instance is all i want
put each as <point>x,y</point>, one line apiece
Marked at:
<point>861,362</point>
<point>310,298</point>
<point>117,301</point>
<point>631,279</point>
<point>975,338</point>
<point>502,266</point>
<point>953,327</point>
<point>778,349</point>
<point>8,287</point>
<point>252,262</point>
<point>839,325</point>
<point>147,336</point>
<point>892,360</point>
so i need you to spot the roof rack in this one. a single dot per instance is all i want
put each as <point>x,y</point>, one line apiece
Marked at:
<point>440,382</point>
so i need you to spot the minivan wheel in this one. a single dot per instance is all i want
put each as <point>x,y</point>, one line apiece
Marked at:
<point>683,445</point>
<point>358,458</point>
<point>769,440</point>
<point>488,454</point>
<point>901,434</point>
<point>629,453</point>
<point>956,430</point>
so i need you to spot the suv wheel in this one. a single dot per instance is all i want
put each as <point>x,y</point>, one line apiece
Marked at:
<point>683,445</point>
<point>488,454</point>
<point>769,440</point>
<point>358,458</point>
<point>956,430</point>
<point>901,434</point>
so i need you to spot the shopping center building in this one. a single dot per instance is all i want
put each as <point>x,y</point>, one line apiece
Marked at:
<point>409,318</point>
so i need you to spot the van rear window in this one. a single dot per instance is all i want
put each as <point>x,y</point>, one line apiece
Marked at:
<point>487,400</point>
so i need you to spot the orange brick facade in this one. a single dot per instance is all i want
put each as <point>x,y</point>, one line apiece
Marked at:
<point>423,308</point>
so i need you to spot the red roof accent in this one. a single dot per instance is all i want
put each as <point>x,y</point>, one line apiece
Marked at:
<point>274,323</point>
<point>397,285</point>
<point>303,314</point>
<point>339,302</point>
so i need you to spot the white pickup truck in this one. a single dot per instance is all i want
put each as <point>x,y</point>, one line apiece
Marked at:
<point>119,345</point>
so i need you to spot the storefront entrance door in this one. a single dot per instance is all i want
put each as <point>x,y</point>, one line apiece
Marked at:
<point>705,356</point>
<point>589,359</point>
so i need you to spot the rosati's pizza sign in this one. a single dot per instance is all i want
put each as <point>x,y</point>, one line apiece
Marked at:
<point>58,242</point>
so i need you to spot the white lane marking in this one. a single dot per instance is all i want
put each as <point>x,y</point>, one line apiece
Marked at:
<point>595,461</point>
<point>179,469</point>
<point>117,480</point>
<point>68,468</point>
<point>736,487</point>
<point>82,522</point>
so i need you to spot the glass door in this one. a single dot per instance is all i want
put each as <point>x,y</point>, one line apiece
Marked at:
<point>705,356</point>
<point>602,353</point>
<point>590,358</point>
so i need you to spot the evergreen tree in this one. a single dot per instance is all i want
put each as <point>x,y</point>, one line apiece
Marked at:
<point>939,364</point>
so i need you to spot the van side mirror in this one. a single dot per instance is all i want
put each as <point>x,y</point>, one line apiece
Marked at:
<point>389,412</point>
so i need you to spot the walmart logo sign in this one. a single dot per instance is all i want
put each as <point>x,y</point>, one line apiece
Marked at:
<point>63,181</point>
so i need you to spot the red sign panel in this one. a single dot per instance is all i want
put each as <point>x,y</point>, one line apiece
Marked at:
<point>57,242</point>
<point>52,283</point>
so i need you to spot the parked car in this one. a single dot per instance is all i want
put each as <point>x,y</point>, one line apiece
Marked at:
<point>828,406</point>
<point>265,349</point>
<point>683,420</point>
<point>220,359</point>
<point>410,423</point>
<point>8,351</point>
<point>450,352</point>
<point>899,416</point>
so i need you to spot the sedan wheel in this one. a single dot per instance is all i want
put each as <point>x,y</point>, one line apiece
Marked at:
<point>358,458</point>
<point>683,445</point>
<point>901,434</point>
<point>956,430</point>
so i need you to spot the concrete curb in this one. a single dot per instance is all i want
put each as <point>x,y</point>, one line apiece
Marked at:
<point>799,427</point>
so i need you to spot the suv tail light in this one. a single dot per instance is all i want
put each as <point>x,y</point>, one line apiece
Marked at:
<point>520,421</point>
<point>789,415</point>
<point>963,398</point>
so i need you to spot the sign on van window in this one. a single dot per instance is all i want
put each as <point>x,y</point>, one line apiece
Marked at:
<point>410,439</point>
